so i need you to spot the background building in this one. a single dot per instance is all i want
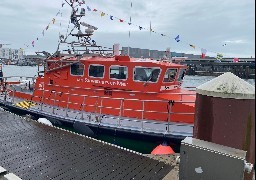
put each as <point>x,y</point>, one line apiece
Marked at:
<point>155,54</point>
<point>11,54</point>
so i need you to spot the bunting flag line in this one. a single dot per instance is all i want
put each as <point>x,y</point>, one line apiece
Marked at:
<point>177,38</point>
<point>193,46</point>
<point>53,20</point>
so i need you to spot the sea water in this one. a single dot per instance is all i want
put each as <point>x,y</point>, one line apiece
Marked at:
<point>136,145</point>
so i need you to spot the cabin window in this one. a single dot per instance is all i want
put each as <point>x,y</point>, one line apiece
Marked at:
<point>146,74</point>
<point>96,71</point>
<point>77,69</point>
<point>118,72</point>
<point>182,73</point>
<point>170,75</point>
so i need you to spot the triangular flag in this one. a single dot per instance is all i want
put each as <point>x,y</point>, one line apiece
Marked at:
<point>63,4</point>
<point>111,17</point>
<point>47,27</point>
<point>37,39</point>
<point>140,27</point>
<point>102,14</point>
<point>53,20</point>
<point>121,20</point>
<point>95,10</point>
<point>58,13</point>
<point>193,46</point>
<point>150,28</point>
<point>88,8</point>
<point>177,38</point>
<point>130,21</point>
<point>33,43</point>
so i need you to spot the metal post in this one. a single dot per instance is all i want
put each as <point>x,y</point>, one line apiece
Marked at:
<point>42,101</point>
<point>101,105</point>
<point>82,117</point>
<point>142,116</point>
<point>13,91</point>
<point>5,91</point>
<point>169,115</point>
<point>67,105</point>
<point>54,103</point>
<point>120,113</point>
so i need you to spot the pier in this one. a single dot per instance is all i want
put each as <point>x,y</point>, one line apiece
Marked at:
<point>32,150</point>
<point>209,67</point>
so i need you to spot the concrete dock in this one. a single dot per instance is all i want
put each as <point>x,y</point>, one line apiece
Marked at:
<point>32,150</point>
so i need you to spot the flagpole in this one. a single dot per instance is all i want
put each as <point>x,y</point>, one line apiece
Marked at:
<point>130,30</point>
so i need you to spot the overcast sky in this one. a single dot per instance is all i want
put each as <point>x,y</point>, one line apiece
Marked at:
<point>203,23</point>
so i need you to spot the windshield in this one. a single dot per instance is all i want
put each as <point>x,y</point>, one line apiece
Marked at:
<point>182,73</point>
<point>170,75</point>
<point>146,74</point>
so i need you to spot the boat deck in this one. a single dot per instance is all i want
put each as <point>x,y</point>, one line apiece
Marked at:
<point>32,150</point>
<point>68,115</point>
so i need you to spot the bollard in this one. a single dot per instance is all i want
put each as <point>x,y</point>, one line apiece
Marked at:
<point>225,114</point>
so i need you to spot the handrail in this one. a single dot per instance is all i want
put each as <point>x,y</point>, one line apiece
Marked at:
<point>121,108</point>
<point>99,105</point>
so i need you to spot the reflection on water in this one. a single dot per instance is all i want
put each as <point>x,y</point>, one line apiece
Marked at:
<point>139,146</point>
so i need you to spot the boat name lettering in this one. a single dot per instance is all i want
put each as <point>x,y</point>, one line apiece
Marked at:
<point>112,83</point>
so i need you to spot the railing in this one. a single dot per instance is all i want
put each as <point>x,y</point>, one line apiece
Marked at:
<point>121,120</point>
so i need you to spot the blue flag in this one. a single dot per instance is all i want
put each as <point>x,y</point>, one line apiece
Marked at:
<point>88,8</point>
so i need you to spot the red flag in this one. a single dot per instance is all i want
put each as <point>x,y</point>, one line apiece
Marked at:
<point>235,60</point>
<point>204,51</point>
<point>121,20</point>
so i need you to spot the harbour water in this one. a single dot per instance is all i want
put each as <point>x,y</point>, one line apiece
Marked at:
<point>139,146</point>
